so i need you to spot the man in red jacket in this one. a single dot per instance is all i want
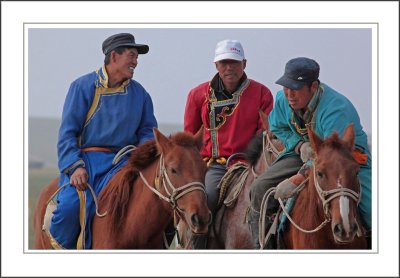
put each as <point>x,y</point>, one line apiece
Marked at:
<point>227,107</point>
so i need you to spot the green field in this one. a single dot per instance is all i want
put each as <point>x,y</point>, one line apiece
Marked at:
<point>38,178</point>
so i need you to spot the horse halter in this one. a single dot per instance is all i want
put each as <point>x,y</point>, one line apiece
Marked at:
<point>176,193</point>
<point>329,195</point>
<point>268,146</point>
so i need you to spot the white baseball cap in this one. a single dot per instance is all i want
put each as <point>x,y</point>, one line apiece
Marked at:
<point>229,49</point>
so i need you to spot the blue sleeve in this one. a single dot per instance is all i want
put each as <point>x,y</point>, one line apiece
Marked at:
<point>279,121</point>
<point>148,121</point>
<point>73,118</point>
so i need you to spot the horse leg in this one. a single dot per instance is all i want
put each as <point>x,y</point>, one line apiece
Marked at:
<point>41,238</point>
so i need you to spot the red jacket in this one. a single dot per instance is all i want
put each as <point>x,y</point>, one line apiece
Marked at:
<point>233,121</point>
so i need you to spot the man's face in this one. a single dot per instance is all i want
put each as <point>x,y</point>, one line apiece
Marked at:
<point>230,71</point>
<point>126,62</point>
<point>299,99</point>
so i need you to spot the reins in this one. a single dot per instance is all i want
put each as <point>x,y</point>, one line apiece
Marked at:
<point>269,147</point>
<point>331,194</point>
<point>172,196</point>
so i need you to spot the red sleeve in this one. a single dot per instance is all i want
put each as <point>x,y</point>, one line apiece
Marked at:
<point>267,102</point>
<point>192,117</point>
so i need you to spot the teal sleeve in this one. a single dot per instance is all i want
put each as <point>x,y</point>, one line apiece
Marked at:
<point>279,121</point>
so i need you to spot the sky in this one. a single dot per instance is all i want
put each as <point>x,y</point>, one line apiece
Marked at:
<point>181,57</point>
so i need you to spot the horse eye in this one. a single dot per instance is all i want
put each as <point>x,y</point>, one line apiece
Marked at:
<point>320,174</point>
<point>173,171</point>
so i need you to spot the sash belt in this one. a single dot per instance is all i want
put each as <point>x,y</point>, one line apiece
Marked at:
<point>96,149</point>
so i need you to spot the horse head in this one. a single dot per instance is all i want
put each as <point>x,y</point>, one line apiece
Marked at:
<point>272,147</point>
<point>182,173</point>
<point>336,182</point>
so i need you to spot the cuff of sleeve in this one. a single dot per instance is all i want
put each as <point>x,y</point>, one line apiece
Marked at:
<point>73,167</point>
<point>298,146</point>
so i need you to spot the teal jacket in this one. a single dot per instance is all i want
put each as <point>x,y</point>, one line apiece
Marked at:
<point>333,113</point>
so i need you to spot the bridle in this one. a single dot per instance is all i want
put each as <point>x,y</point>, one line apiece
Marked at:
<point>269,147</point>
<point>326,197</point>
<point>172,193</point>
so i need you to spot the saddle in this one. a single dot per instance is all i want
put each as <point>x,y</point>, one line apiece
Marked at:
<point>230,190</point>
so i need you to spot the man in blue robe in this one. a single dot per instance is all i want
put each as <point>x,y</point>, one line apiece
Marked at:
<point>306,102</point>
<point>104,111</point>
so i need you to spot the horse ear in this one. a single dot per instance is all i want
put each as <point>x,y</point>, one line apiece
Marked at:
<point>198,137</point>
<point>264,119</point>
<point>349,136</point>
<point>162,142</point>
<point>314,140</point>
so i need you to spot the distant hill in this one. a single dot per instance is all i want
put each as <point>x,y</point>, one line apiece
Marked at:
<point>43,133</point>
<point>42,140</point>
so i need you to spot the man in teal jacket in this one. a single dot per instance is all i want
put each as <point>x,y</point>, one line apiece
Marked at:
<point>305,102</point>
<point>104,112</point>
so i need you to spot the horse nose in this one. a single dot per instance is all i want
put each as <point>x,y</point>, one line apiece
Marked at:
<point>197,221</point>
<point>340,232</point>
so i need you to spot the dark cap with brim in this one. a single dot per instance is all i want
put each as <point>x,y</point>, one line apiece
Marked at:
<point>299,72</point>
<point>123,39</point>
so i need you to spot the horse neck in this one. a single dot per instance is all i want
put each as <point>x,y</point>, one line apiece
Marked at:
<point>146,212</point>
<point>308,204</point>
<point>260,166</point>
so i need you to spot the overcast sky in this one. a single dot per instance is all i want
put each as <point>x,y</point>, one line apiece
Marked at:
<point>181,58</point>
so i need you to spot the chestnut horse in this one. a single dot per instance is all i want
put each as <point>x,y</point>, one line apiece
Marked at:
<point>163,177</point>
<point>331,195</point>
<point>230,229</point>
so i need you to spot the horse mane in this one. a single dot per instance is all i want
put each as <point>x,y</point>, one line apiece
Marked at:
<point>336,144</point>
<point>254,149</point>
<point>116,195</point>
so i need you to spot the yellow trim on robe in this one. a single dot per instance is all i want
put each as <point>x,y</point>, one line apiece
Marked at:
<point>82,219</point>
<point>54,243</point>
<point>102,89</point>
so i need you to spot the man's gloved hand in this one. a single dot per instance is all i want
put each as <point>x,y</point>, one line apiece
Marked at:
<point>306,152</point>
<point>284,189</point>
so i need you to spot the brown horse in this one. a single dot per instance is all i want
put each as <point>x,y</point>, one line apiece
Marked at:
<point>230,229</point>
<point>163,178</point>
<point>331,195</point>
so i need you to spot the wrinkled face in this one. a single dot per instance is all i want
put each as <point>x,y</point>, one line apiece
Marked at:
<point>126,63</point>
<point>299,99</point>
<point>230,72</point>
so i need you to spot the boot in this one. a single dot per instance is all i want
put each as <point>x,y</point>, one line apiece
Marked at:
<point>255,230</point>
<point>271,244</point>
<point>254,227</point>
<point>200,241</point>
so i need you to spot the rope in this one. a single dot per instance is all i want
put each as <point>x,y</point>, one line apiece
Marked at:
<point>122,152</point>
<point>263,213</point>
<point>91,190</point>
<point>237,189</point>
<point>176,193</point>
<point>326,221</point>
<point>226,180</point>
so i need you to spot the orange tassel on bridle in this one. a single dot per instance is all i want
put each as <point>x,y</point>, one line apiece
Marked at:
<point>360,157</point>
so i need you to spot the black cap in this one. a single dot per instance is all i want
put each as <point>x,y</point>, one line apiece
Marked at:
<point>298,72</point>
<point>123,39</point>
